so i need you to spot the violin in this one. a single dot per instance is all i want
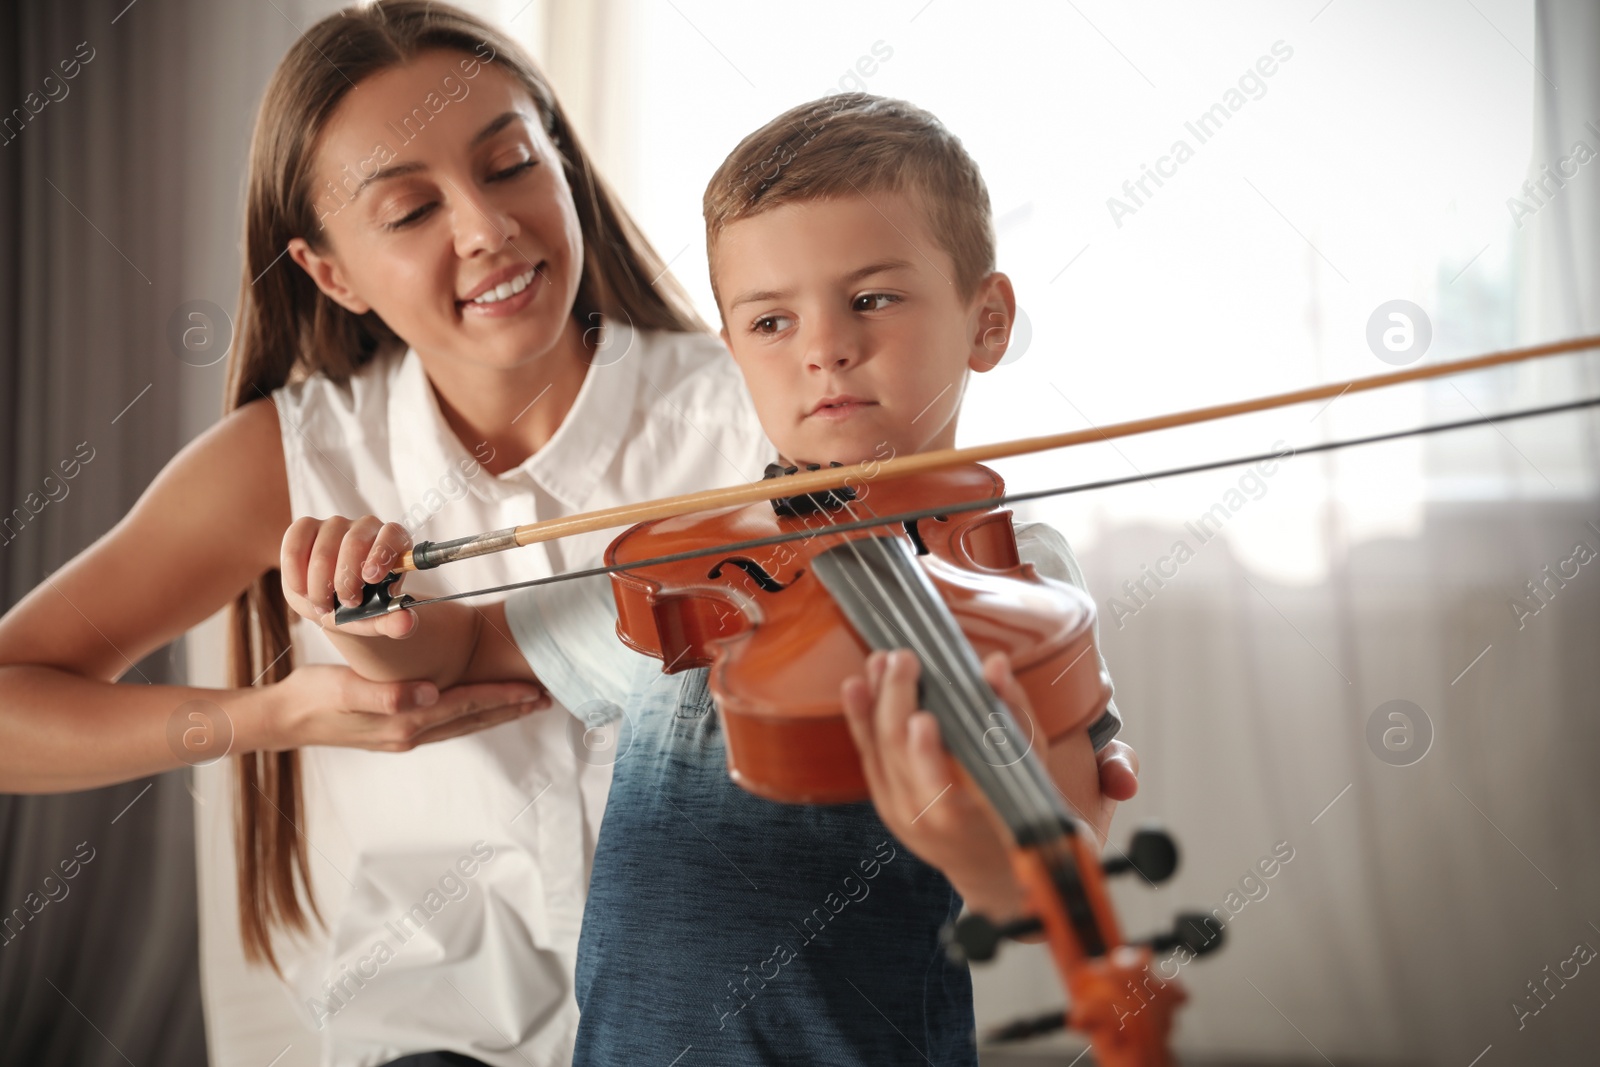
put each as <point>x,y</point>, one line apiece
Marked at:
<point>782,629</point>
<point>939,574</point>
<point>770,625</point>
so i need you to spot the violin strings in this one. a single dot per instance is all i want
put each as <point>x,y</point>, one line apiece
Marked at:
<point>901,622</point>
<point>1020,794</point>
<point>1024,783</point>
<point>948,652</point>
<point>852,545</point>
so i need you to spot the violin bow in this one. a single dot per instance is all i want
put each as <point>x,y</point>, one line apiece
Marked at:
<point>377,598</point>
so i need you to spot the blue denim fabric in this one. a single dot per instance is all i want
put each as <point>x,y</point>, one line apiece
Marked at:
<point>722,928</point>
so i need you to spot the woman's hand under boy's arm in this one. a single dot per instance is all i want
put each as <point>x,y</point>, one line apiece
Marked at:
<point>322,559</point>
<point>917,793</point>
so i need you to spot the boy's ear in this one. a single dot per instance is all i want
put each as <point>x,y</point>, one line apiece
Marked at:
<point>994,313</point>
<point>328,275</point>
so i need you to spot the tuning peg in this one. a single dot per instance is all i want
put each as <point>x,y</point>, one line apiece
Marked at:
<point>1198,932</point>
<point>1152,852</point>
<point>975,938</point>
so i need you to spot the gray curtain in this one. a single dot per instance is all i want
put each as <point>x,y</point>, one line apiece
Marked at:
<point>99,968</point>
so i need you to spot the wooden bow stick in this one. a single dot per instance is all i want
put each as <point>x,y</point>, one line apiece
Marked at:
<point>431,554</point>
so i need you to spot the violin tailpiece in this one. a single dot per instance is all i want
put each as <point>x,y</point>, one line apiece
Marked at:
<point>797,507</point>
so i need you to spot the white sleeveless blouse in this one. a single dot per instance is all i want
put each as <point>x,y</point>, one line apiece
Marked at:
<point>452,877</point>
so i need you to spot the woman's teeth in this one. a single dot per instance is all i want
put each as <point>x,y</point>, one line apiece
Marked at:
<point>505,289</point>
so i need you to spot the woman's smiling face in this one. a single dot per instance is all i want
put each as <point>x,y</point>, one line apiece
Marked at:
<point>473,206</point>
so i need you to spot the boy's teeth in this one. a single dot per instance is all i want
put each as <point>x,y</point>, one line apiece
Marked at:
<point>505,289</point>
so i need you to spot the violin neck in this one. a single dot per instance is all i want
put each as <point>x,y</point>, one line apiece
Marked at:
<point>891,603</point>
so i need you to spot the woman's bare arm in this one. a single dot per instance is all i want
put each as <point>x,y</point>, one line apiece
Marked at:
<point>198,535</point>
<point>211,521</point>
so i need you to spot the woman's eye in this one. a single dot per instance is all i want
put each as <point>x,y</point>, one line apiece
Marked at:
<point>770,324</point>
<point>407,220</point>
<point>874,301</point>
<point>512,171</point>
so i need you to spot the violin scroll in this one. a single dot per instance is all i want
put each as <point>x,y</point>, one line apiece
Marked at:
<point>1123,1000</point>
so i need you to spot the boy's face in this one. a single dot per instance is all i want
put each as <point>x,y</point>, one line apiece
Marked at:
<point>846,322</point>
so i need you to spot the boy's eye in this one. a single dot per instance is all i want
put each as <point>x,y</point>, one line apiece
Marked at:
<point>874,301</point>
<point>770,324</point>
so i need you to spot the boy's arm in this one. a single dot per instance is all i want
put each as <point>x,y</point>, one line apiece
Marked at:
<point>1042,545</point>
<point>566,635</point>
<point>440,645</point>
<point>495,656</point>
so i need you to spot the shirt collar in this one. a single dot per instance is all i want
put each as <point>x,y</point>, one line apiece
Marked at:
<point>572,462</point>
<point>429,456</point>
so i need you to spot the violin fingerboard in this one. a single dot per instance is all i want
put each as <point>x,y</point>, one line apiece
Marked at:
<point>891,603</point>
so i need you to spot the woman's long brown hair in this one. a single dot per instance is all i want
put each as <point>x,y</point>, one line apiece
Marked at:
<point>288,330</point>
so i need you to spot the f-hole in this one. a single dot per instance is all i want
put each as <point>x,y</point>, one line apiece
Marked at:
<point>916,536</point>
<point>758,574</point>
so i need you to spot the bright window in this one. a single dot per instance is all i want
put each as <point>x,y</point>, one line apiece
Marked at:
<point>1331,160</point>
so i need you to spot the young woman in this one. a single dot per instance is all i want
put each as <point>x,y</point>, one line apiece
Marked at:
<point>445,318</point>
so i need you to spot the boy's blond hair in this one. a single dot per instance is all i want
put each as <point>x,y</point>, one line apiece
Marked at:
<point>859,144</point>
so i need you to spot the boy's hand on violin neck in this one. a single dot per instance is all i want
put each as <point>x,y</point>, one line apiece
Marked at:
<point>1119,773</point>
<point>915,790</point>
<point>917,793</point>
<point>325,562</point>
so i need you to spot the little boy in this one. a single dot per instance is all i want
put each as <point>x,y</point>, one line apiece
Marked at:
<point>852,259</point>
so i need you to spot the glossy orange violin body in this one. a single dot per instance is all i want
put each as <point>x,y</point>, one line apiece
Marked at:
<point>779,647</point>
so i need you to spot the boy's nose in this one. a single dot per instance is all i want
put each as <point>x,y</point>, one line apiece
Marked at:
<point>831,360</point>
<point>832,349</point>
